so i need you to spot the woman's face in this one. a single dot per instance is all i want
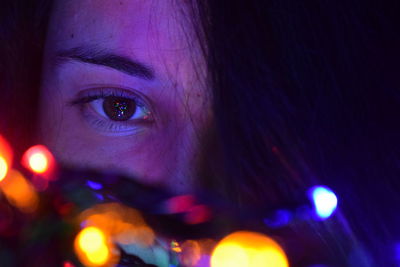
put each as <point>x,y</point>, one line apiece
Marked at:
<point>122,89</point>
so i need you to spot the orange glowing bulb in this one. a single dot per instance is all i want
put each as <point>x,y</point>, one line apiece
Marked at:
<point>3,168</point>
<point>19,191</point>
<point>248,249</point>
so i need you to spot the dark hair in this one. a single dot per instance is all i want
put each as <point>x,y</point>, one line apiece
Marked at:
<point>22,30</point>
<point>304,93</point>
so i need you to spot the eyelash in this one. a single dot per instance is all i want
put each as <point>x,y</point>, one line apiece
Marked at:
<point>106,125</point>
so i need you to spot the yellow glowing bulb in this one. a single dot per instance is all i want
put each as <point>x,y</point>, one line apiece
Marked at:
<point>3,168</point>
<point>229,254</point>
<point>38,162</point>
<point>91,239</point>
<point>248,249</point>
<point>93,244</point>
<point>100,256</point>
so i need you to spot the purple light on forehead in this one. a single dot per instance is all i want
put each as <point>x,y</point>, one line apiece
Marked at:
<point>94,185</point>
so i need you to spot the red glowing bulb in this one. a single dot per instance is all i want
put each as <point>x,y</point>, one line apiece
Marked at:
<point>38,159</point>
<point>68,264</point>
<point>38,162</point>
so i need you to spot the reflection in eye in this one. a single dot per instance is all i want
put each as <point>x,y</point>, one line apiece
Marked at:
<point>119,108</point>
<point>112,110</point>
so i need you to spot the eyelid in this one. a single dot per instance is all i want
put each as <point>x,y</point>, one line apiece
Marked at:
<point>88,95</point>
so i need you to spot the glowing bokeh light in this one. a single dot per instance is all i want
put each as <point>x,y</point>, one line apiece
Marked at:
<point>124,224</point>
<point>38,162</point>
<point>5,157</point>
<point>92,247</point>
<point>190,253</point>
<point>94,185</point>
<point>3,168</point>
<point>324,200</point>
<point>248,249</point>
<point>175,247</point>
<point>38,159</point>
<point>197,214</point>
<point>279,218</point>
<point>179,204</point>
<point>19,192</point>
<point>91,239</point>
<point>68,264</point>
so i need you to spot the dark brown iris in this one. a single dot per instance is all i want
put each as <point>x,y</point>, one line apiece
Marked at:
<point>119,108</point>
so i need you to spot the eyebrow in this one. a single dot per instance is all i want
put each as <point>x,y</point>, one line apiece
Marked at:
<point>104,58</point>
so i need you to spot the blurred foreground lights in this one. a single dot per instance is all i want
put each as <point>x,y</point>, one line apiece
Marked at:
<point>248,249</point>
<point>324,201</point>
<point>38,159</point>
<point>179,204</point>
<point>5,157</point>
<point>190,253</point>
<point>125,225</point>
<point>93,247</point>
<point>19,192</point>
<point>197,214</point>
<point>3,168</point>
<point>68,264</point>
<point>279,218</point>
<point>38,162</point>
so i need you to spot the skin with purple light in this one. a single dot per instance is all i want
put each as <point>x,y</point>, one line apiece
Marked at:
<point>123,90</point>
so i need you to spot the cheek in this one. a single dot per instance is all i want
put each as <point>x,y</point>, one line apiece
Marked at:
<point>152,157</point>
<point>51,114</point>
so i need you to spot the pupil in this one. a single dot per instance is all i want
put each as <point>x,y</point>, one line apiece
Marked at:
<point>119,108</point>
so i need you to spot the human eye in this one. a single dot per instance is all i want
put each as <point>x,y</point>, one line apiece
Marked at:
<point>114,111</point>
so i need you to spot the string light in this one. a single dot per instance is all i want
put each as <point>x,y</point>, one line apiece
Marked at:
<point>125,225</point>
<point>68,264</point>
<point>190,253</point>
<point>324,200</point>
<point>248,249</point>
<point>197,214</point>
<point>38,162</point>
<point>175,247</point>
<point>38,159</point>
<point>3,168</point>
<point>5,157</point>
<point>179,204</point>
<point>91,247</point>
<point>279,218</point>
<point>19,192</point>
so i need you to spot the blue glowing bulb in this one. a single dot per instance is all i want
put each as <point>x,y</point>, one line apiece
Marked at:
<point>94,185</point>
<point>324,200</point>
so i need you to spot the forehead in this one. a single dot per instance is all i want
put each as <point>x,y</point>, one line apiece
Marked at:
<point>151,30</point>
